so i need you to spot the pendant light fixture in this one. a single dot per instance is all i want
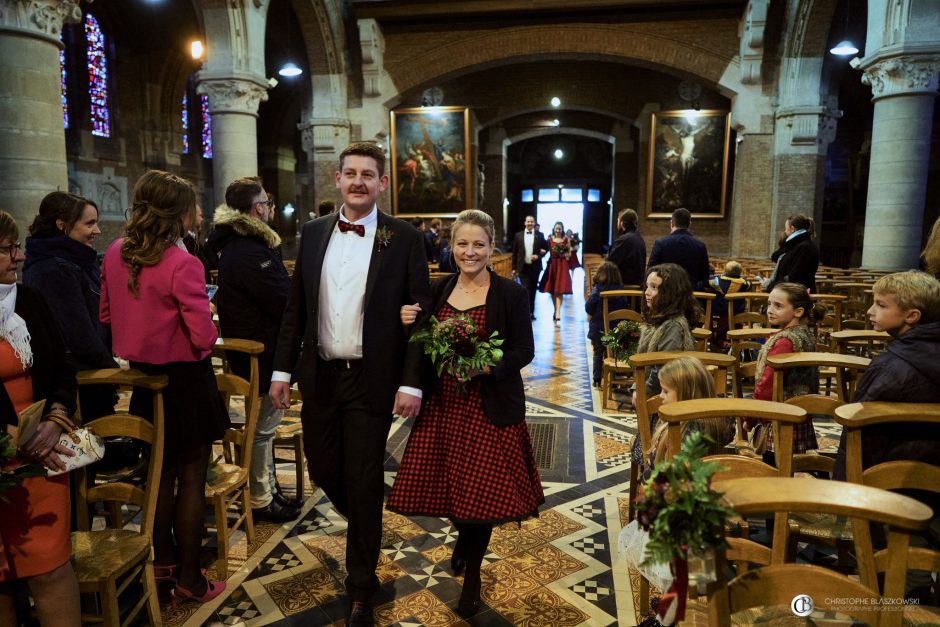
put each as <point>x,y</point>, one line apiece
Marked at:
<point>289,69</point>
<point>845,47</point>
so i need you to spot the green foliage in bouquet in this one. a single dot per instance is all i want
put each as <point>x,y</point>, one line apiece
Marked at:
<point>678,507</point>
<point>623,339</point>
<point>12,472</point>
<point>459,347</point>
<point>561,249</point>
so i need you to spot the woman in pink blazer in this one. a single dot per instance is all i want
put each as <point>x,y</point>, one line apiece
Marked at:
<point>154,298</point>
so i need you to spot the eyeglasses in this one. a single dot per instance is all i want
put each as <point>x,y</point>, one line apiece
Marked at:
<point>11,250</point>
<point>269,202</point>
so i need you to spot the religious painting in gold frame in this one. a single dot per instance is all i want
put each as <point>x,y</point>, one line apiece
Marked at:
<point>430,150</point>
<point>688,163</point>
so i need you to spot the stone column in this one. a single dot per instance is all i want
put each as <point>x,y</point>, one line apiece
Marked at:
<point>233,104</point>
<point>323,139</point>
<point>32,137</point>
<point>903,90</point>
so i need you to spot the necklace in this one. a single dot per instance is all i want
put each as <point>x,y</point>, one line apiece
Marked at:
<point>474,290</point>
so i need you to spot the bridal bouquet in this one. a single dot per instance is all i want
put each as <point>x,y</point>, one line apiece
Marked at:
<point>459,347</point>
<point>561,249</point>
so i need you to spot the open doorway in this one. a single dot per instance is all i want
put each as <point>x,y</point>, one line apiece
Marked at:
<point>570,214</point>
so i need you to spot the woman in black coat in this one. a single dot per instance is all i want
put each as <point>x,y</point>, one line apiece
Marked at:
<point>469,457</point>
<point>62,265</point>
<point>797,258</point>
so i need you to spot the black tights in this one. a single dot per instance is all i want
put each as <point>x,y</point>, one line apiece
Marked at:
<point>180,514</point>
<point>472,540</point>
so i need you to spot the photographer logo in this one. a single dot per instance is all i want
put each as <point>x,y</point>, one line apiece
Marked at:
<point>802,605</point>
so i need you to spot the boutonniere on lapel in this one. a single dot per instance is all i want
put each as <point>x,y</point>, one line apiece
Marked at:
<point>383,238</point>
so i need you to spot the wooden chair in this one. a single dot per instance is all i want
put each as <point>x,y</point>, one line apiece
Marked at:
<point>855,307</point>
<point>615,372</point>
<point>708,297</point>
<point>890,475</point>
<point>865,343</point>
<point>832,321</point>
<point>227,485</point>
<point>848,369</point>
<point>291,435</point>
<point>746,340</point>
<point>752,316</point>
<point>770,590</point>
<point>633,296</point>
<point>110,560</point>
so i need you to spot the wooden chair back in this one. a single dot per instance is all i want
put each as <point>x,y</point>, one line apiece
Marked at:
<point>780,582</point>
<point>891,475</point>
<point>848,368</point>
<point>831,322</point>
<point>816,405</point>
<point>633,297</point>
<point>124,424</point>
<point>746,340</point>
<point>862,342</point>
<point>708,297</point>
<point>231,385</point>
<point>753,315</point>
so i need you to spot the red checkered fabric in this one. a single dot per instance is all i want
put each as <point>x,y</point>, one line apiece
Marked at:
<point>459,465</point>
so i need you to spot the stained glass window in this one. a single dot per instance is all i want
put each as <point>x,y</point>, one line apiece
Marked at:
<point>97,78</point>
<point>184,118</point>
<point>65,91</point>
<point>206,127</point>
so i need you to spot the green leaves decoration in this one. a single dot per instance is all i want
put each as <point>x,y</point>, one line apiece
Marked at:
<point>459,347</point>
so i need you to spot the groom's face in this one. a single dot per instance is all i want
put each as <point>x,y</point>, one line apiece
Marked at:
<point>359,182</point>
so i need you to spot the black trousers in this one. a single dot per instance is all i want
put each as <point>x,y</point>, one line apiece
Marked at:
<point>345,447</point>
<point>530,279</point>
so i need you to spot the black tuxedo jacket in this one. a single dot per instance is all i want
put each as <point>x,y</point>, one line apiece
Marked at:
<point>539,247</point>
<point>507,311</point>
<point>398,275</point>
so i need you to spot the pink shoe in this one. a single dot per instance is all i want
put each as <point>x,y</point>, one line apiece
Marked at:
<point>213,589</point>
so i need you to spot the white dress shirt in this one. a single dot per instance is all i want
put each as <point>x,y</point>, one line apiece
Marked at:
<point>342,294</point>
<point>529,238</point>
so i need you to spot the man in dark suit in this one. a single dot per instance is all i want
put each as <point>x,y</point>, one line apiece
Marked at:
<point>528,248</point>
<point>628,252</point>
<point>354,271</point>
<point>683,249</point>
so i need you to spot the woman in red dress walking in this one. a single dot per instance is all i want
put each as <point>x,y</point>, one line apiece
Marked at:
<point>469,457</point>
<point>557,278</point>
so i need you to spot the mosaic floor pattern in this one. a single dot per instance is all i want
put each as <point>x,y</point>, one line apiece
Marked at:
<point>557,570</point>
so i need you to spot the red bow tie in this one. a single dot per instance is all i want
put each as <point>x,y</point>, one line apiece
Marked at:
<point>358,229</point>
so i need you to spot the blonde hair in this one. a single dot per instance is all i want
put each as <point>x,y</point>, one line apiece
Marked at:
<point>161,201</point>
<point>477,218</point>
<point>690,379</point>
<point>8,228</point>
<point>931,254</point>
<point>914,290</point>
<point>733,269</point>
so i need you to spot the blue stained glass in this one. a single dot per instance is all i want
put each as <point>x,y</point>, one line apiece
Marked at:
<point>97,78</point>
<point>206,127</point>
<point>527,195</point>
<point>594,195</point>
<point>184,118</point>
<point>65,91</point>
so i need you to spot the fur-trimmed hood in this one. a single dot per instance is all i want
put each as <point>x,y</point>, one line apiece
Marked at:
<point>229,222</point>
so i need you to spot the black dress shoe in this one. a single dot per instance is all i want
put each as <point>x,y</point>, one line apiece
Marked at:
<point>275,512</point>
<point>360,614</point>
<point>286,501</point>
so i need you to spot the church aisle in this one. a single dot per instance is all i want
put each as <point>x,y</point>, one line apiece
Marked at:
<point>560,569</point>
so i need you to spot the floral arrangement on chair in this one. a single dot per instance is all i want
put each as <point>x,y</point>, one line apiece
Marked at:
<point>459,347</point>
<point>685,519</point>
<point>623,340</point>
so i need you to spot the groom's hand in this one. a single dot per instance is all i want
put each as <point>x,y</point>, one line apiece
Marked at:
<point>406,405</point>
<point>279,393</point>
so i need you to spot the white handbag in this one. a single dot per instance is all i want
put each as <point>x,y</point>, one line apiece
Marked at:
<point>87,445</point>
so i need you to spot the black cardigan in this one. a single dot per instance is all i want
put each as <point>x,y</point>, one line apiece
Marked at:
<point>507,311</point>
<point>52,372</point>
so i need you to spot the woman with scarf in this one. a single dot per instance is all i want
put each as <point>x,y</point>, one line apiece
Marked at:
<point>35,546</point>
<point>62,265</point>
<point>797,258</point>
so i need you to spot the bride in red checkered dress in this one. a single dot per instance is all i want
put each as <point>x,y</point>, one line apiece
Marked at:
<point>469,457</point>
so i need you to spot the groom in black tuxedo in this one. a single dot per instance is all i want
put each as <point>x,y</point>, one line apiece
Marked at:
<point>528,248</point>
<point>355,269</point>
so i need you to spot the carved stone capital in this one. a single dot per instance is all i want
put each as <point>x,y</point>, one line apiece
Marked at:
<point>752,41</point>
<point>810,126</point>
<point>233,95</point>
<point>904,75</point>
<point>324,135</point>
<point>40,18</point>
<point>373,56</point>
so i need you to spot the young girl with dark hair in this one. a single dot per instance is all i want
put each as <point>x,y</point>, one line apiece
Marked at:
<point>790,307</point>
<point>606,278</point>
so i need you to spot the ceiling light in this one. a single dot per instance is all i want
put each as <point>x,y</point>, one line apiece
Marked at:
<point>844,48</point>
<point>290,70</point>
<point>556,101</point>
<point>288,209</point>
<point>559,153</point>
<point>555,122</point>
<point>196,49</point>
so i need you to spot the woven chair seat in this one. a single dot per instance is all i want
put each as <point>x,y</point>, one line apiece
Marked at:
<point>223,478</point>
<point>98,555</point>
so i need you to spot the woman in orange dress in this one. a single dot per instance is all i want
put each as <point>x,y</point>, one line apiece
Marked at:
<point>34,528</point>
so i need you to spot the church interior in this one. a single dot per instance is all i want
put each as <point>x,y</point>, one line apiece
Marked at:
<point>568,110</point>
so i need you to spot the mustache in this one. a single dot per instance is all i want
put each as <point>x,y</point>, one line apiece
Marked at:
<point>353,189</point>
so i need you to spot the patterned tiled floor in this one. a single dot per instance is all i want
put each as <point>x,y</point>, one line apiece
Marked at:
<point>558,570</point>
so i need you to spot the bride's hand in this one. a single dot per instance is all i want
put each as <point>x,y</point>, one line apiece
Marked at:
<point>409,313</point>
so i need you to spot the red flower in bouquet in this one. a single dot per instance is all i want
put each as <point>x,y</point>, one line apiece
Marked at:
<point>459,347</point>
